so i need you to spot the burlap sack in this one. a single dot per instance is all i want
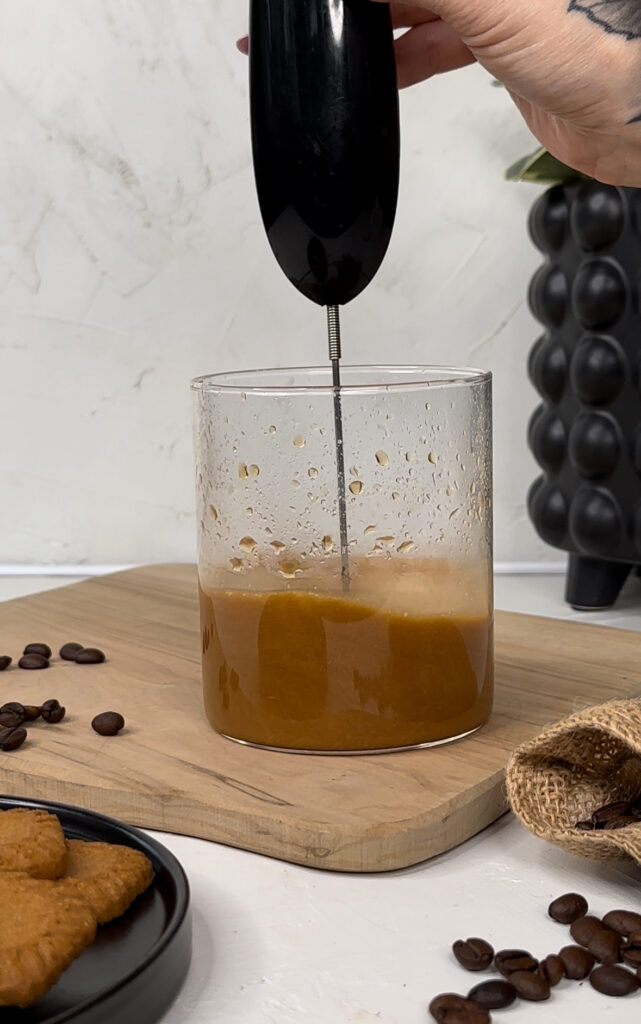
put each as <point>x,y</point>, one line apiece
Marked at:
<point>575,766</point>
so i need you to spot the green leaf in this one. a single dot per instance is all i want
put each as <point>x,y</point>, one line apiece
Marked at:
<point>544,169</point>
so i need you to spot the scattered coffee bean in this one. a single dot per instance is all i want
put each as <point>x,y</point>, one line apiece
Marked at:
<point>507,961</point>
<point>622,921</point>
<point>605,945</point>
<point>530,985</point>
<point>11,715</point>
<point>43,649</point>
<point>493,995</point>
<point>584,928</point>
<point>31,712</point>
<point>577,962</point>
<point>450,1008</point>
<point>11,739</point>
<point>621,822</point>
<point>52,711</point>
<point>568,907</point>
<point>33,661</point>
<point>608,812</point>
<point>110,722</point>
<point>631,955</point>
<point>585,826</point>
<point>473,954</point>
<point>552,969</point>
<point>5,661</point>
<point>89,656</point>
<point>69,651</point>
<point>613,981</point>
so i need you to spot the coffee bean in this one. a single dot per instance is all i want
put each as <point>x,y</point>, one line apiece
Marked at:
<point>530,985</point>
<point>5,661</point>
<point>11,739</point>
<point>89,656</point>
<point>631,955</point>
<point>450,1008</point>
<point>473,954</point>
<point>507,961</point>
<point>622,921</point>
<point>583,928</point>
<point>69,651</point>
<point>108,723</point>
<point>577,962</point>
<point>621,822</point>
<point>613,981</point>
<point>11,715</point>
<point>568,907</point>
<point>33,661</point>
<point>493,995</point>
<point>52,711</point>
<point>552,969</point>
<point>585,826</point>
<point>605,945</point>
<point>608,812</point>
<point>31,712</point>
<point>43,649</point>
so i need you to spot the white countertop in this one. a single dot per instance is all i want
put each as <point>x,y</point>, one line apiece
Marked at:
<point>279,944</point>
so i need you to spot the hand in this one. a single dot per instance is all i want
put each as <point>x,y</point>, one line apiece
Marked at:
<point>573,68</point>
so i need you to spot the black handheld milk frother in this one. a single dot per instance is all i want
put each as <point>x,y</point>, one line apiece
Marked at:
<point>325,137</point>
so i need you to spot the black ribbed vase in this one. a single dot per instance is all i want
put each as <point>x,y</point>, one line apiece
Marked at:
<point>586,434</point>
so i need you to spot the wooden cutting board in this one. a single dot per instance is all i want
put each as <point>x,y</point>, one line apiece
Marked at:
<point>170,771</point>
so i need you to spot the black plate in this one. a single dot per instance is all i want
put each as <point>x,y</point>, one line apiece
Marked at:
<point>136,966</point>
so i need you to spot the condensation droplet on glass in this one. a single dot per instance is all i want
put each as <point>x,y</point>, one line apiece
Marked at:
<point>328,543</point>
<point>473,488</point>
<point>277,545</point>
<point>254,471</point>
<point>450,491</point>
<point>405,547</point>
<point>272,429</point>
<point>395,495</point>
<point>249,511</point>
<point>382,458</point>
<point>409,456</point>
<point>299,441</point>
<point>356,486</point>
<point>455,512</point>
<point>432,458</point>
<point>236,564</point>
<point>295,483</point>
<point>353,471</point>
<point>248,544</point>
<point>243,396</point>
<point>289,568</point>
<point>388,541</point>
<point>369,529</point>
<point>428,406</point>
<point>213,512</point>
<point>322,431</point>
<point>312,472</point>
<point>243,472</point>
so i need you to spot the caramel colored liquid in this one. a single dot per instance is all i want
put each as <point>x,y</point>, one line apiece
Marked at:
<point>405,658</point>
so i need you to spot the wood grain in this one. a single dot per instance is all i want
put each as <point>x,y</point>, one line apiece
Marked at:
<point>168,770</point>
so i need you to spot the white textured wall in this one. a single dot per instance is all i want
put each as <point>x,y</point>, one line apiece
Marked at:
<point>132,258</point>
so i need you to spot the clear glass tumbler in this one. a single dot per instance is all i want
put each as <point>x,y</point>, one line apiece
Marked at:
<point>404,656</point>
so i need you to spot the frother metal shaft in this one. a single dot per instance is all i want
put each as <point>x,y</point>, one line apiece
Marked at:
<point>334,337</point>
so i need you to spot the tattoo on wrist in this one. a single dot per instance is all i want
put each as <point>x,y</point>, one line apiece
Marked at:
<point>618,17</point>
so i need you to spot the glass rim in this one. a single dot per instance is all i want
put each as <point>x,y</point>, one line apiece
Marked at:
<point>237,381</point>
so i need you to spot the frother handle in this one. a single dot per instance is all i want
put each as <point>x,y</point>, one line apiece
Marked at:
<point>325,135</point>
